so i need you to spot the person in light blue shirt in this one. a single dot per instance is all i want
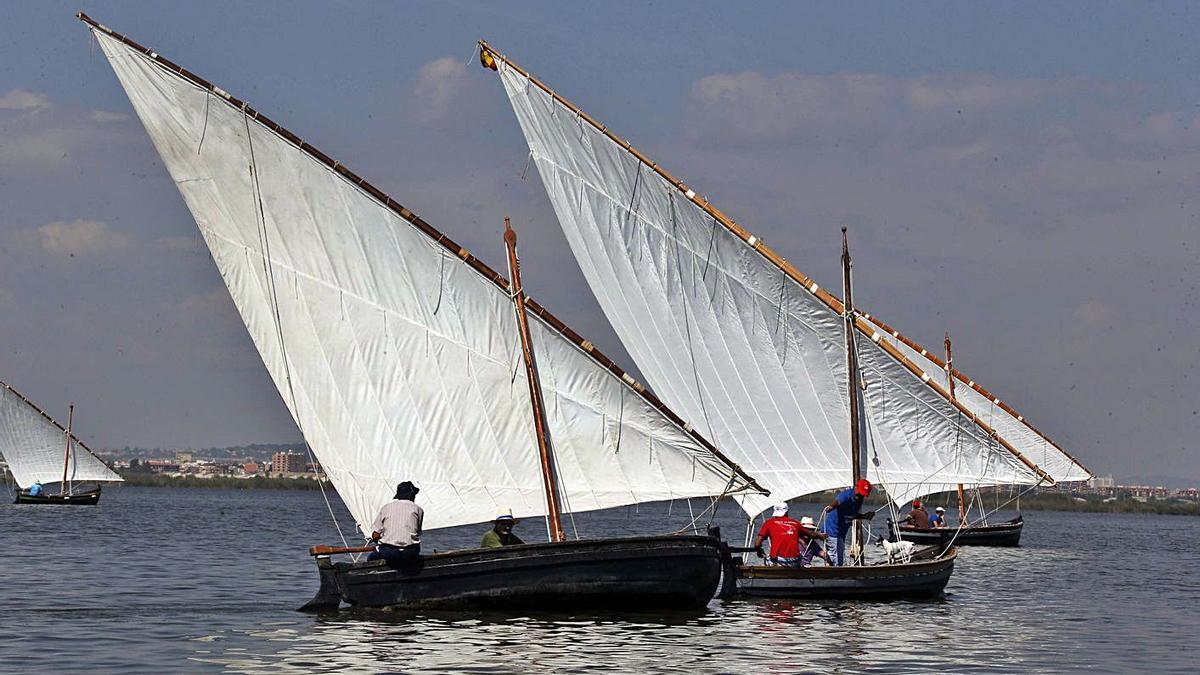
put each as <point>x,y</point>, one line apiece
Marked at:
<point>35,490</point>
<point>845,508</point>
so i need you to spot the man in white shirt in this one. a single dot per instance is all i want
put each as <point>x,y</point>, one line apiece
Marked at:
<point>397,529</point>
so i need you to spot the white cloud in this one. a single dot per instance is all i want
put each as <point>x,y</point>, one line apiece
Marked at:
<point>19,99</point>
<point>443,95</point>
<point>108,116</point>
<point>80,237</point>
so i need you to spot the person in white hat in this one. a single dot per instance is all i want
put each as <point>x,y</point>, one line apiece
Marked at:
<point>939,518</point>
<point>784,533</point>
<point>501,533</point>
<point>810,542</point>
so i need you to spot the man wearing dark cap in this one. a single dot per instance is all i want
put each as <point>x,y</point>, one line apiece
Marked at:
<point>397,529</point>
<point>844,509</point>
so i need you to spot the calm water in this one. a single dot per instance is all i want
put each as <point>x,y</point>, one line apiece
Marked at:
<point>162,580</point>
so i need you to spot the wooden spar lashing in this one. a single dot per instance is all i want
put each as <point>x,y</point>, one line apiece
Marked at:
<point>541,428</point>
<point>831,301</point>
<point>62,489</point>
<point>856,538</point>
<point>962,502</point>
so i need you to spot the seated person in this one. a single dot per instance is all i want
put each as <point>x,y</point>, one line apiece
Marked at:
<point>939,518</point>
<point>397,529</point>
<point>35,490</point>
<point>918,517</point>
<point>501,533</point>
<point>810,542</point>
<point>784,533</point>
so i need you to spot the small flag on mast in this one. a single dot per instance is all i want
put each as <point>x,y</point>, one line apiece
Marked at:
<point>486,59</point>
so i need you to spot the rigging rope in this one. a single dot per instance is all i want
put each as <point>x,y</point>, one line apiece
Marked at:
<point>269,270</point>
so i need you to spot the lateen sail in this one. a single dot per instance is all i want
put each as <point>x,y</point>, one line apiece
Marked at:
<point>396,351</point>
<point>34,445</point>
<point>725,335</point>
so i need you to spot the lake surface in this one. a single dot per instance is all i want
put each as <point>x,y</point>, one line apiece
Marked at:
<point>164,580</point>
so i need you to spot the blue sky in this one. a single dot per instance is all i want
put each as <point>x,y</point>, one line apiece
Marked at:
<point>1022,175</point>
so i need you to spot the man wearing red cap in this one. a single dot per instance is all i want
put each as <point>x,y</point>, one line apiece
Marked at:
<point>840,513</point>
<point>918,517</point>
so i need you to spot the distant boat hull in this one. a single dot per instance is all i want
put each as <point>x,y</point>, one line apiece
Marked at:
<point>1000,534</point>
<point>634,574</point>
<point>89,498</point>
<point>922,577</point>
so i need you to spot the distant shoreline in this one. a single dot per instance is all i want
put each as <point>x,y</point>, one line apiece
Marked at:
<point>1040,502</point>
<point>222,482</point>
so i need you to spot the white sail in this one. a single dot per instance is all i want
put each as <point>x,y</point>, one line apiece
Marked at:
<point>1039,449</point>
<point>34,446</point>
<point>396,352</point>
<point>722,333</point>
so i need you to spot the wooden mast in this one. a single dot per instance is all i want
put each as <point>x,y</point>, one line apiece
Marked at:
<point>62,488</point>
<point>545,451</point>
<point>852,389</point>
<point>774,258</point>
<point>962,502</point>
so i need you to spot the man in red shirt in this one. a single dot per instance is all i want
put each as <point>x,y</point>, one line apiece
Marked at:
<point>784,533</point>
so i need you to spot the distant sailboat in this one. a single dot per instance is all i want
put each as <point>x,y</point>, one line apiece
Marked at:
<point>398,355</point>
<point>726,330</point>
<point>41,451</point>
<point>978,531</point>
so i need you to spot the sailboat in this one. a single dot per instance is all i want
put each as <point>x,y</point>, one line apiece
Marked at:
<point>1058,462</point>
<point>41,451</point>
<point>401,355</point>
<point>729,332</point>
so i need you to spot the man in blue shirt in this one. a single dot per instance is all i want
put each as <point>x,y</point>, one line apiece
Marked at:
<point>839,516</point>
<point>939,518</point>
<point>35,490</point>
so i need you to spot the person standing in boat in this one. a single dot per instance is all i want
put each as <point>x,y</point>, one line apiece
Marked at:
<point>938,519</point>
<point>784,533</point>
<point>501,533</point>
<point>397,529</point>
<point>918,517</point>
<point>840,513</point>
<point>35,490</point>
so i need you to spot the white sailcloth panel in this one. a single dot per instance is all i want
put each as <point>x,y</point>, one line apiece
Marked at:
<point>748,355</point>
<point>1030,443</point>
<point>398,361</point>
<point>34,446</point>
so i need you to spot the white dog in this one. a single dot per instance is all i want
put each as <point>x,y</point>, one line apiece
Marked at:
<point>896,550</point>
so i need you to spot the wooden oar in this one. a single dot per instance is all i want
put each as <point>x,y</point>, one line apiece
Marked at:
<point>331,550</point>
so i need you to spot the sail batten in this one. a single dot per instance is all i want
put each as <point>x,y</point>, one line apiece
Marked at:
<point>777,391</point>
<point>390,343</point>
<point>32,443</point>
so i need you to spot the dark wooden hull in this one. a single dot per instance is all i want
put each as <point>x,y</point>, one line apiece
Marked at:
<point>923,577</point>
<point>89,498</point>
<point>1001,534</point>
<point>631,574</point>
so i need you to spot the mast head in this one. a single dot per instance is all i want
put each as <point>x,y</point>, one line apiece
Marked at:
<point>510,235</point>
<point>487,58</point>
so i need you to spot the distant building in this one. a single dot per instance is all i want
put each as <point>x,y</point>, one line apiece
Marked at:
<point>251,468</point>
<point>1098,482</point>
<point>288,462</point>
<point>184,457</point>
